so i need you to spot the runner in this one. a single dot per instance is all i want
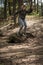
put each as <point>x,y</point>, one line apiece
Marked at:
<point>21,19</point>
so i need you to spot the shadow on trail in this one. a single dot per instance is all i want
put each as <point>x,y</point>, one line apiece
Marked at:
<point>19,39</point>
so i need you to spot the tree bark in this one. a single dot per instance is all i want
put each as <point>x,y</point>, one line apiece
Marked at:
<point>14,9</point>
<point>9,6</point>
<point>30,3</point>
<point>20,2</point>
<point>5,9</point>
<point>37,6</point>
<point>41,8</point>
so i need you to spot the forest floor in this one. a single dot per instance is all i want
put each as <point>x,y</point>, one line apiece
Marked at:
<point>26,52</point>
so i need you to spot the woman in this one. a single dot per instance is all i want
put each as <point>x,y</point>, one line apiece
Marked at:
<point>21,19</point>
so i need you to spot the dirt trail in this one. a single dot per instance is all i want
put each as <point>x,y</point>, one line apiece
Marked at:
<point>29,52</point>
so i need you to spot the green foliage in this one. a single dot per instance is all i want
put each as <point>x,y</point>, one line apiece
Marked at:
<point>34,13</point>
<point>2,64</point>
<point>5,10</point>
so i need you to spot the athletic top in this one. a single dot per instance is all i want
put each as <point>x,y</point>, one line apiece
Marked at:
<point>22,13</point>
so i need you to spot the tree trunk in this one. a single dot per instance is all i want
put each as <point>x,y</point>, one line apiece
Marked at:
<point>20,2</point>
<point>14,9</point>
<point>37,6</point>
<point>5,9</point>
<point>9,6</point>
<point>30,3</point>
<point>41,8</point>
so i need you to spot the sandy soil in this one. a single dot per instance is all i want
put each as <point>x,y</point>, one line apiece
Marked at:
<point>29,52</point>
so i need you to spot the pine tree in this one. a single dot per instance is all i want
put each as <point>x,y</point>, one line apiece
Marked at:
<point>5,9</point>
<point>37,5</point>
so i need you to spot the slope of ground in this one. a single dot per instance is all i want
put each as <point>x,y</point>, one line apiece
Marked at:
<point>28,52</point>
